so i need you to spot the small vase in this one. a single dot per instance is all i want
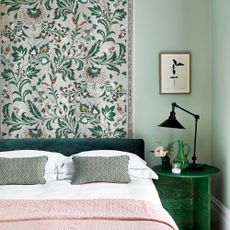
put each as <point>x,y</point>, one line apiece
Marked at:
<point>165,162</point>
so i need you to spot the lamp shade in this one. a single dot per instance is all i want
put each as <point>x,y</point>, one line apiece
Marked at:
<point>172,122</point>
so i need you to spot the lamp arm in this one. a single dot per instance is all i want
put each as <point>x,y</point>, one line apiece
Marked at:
<point>177,106</point>
<point>174,105</point>
<point>194,148</point>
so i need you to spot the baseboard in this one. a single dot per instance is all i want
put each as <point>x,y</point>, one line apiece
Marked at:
<point>220,215</point>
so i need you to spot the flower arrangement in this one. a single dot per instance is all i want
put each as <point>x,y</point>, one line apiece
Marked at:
<point>166,153</point>
<point>161,151</point>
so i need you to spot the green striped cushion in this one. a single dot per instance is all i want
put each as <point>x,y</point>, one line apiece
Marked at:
<point>100,169</point>
<point>27,170</point>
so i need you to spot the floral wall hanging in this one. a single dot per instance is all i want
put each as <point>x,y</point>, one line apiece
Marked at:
<point>66,68</point>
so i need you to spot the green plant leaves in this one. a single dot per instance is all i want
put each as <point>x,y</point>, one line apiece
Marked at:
<point>96,131</point>
<point>63,74</point>
<point>119,14</point>
<point>18,53</point>
<point>119,133</point>
<point>109,113</point>
<point>96,11</point>
<point>94,49</point>
<point>31,71</point>
<point>8,74</point>
<point>65,7</point>
<point>34,110</point>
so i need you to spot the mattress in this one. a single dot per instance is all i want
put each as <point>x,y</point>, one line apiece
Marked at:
<point>138,189</point>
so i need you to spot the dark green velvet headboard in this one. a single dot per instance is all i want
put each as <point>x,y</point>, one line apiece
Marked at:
<point>74,145</point>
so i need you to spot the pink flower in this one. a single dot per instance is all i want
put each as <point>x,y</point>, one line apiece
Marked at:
<point>160,152</point>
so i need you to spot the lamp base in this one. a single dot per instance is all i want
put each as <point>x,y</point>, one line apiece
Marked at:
<point>194,167</point>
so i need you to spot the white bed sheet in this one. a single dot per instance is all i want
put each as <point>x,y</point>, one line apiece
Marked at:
<point>139,189</point>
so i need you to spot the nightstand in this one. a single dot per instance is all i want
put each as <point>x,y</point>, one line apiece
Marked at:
<point>186,196</point>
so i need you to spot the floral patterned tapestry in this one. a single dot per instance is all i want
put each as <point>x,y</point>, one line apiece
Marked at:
<point>65,68</point>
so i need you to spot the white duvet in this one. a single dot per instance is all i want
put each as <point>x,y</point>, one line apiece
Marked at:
<point>139,189</point>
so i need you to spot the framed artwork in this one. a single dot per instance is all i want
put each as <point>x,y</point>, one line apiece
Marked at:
<point>175,72</point>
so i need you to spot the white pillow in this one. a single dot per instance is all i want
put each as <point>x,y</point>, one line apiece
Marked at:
<point>137,166</point>
<point>51,168</point>
<point>143,173</point>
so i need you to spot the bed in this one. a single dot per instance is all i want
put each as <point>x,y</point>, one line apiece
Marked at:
<point>59,203</point>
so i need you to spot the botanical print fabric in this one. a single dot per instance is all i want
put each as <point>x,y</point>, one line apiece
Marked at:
<point>65,68</point>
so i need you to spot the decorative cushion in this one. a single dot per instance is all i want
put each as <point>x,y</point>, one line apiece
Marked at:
<point>27,170</point>
<point>52,165</point>
<point>137,167</point>
<point>100,169</point>
<point>53,157</point>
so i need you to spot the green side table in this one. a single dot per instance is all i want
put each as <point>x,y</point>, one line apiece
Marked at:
<point>186,196</point>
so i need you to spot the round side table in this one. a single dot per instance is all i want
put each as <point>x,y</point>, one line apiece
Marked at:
<point>186,196</point>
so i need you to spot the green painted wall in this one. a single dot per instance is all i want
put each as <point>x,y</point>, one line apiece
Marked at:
<point>221,94</point>
<point>202,27</point>
<point>166,25</point>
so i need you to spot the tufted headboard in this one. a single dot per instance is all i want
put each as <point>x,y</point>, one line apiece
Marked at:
<point>71,146</point>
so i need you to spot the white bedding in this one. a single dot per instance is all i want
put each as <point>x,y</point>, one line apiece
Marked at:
<point>139,189</point>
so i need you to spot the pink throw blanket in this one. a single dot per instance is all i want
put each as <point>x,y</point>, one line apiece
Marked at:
<point>83,214</point>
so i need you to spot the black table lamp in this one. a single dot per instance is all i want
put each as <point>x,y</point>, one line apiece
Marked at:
<point>172,122</point>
